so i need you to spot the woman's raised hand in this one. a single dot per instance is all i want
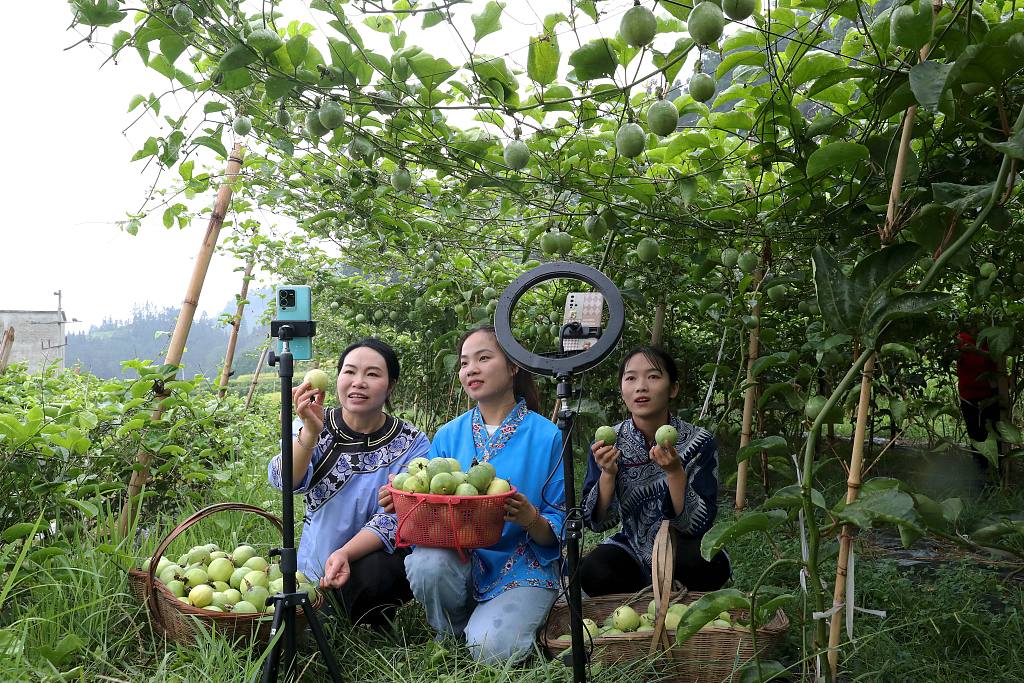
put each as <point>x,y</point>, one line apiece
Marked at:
<point>666,458</point>
<point>309,407</point>
<point>606,457</point>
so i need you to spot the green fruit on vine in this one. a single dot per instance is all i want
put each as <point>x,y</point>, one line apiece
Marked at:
<point>549,242</point>
<point>283,118</point>
<point>909,28</point>
<point>378,316</point>
<point>702,87</point>
<point>606,434</point>
<point>360,319</point>
<point>313,125</point>
<point>647,250</point>
<point>751,321</point>
<point>401,179</point>
<point>201,596</point>
<point>264,41</point>
<point>243,607</point>
<point>516,155</point>
<point>242,125</point>
<point>331,115</point>
<point>729,257</point>
<point>814,406</point>
<point>738,10</point>
<point>706,23</point>
<point>988,270</point>
<point>747,261</point>
<point>638,26</point>
<point>429,264</point>
<point>220,569</point>
<point>777,293</point>
<point>319,380</point>
<point>360,147</point>
<point>564,243</point>
<point>595,226</point>
<point>182,14</point>
<point>666,436</point>
<point>393,316</point>
<point>662,118</point>
<point>630,140</point>
<point>489,293</point>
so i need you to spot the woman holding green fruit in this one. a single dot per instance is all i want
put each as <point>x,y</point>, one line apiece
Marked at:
<point>649,468</point>
<point>341,458</point>
<point>499,599</point>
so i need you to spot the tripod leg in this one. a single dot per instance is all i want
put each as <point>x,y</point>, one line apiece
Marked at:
<point>321,640</point>
<point>274,656</point>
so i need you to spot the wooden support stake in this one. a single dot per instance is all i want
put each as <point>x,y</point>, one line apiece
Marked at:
<point>749,395</point>
<point>658,331</point>
<point>185,316</point>
<point>256,376</point>
<point>6,344</point>
<point>229,356</point>
<point>852,489</point>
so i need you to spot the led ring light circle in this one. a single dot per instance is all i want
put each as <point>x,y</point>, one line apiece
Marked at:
<point>543,365</point>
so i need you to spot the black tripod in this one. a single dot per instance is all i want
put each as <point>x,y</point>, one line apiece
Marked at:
<point>290,598</point>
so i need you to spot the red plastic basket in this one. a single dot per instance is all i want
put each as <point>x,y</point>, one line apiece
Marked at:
<point>459,522</point>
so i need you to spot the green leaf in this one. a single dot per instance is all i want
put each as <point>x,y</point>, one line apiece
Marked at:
<point>673,62</point>
<point>707,608</point>
<point>749,522</point>
<point>211,143</point>
<point>998,338</point>
<point>16,531</point>
<point>836,155</point>
<point>791,497</point>
<point>890,506</point>
<point>431,71</point>
<point>297,47</point>
<point>833,290</point>
<point>771,445</point>
<point>961,197</point>
<point>765,362</point>
<point>542,59</point>
<point>97,12</point>
<point>906,305</point>
<point>488,21</point>
<point>595,59</point>
<point>432,18</point>
<point>928,80</point>
<point>238,56</point>
<point>1013,147</point>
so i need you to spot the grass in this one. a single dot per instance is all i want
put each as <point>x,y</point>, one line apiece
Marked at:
<point>73,618</point>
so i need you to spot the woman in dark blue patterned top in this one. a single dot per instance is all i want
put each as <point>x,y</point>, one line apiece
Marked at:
<point>640,484</point>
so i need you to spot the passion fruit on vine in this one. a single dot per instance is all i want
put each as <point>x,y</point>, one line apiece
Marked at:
<point>638,26</point>
<point>630,140</point>
<point>662,118</point>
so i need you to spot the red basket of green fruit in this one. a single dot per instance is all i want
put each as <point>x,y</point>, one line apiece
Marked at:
<point>440,506</point>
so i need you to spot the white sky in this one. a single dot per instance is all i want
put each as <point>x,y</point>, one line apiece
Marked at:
<point>67,175</point>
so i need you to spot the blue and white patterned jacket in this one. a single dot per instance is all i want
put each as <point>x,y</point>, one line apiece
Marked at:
<point>642,499</point>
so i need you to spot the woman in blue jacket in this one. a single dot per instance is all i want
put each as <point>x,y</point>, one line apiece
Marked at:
<point>500,598</point>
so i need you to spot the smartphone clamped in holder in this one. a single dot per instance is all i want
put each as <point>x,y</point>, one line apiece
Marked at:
<point>581,321</point>
<point>294,303</point>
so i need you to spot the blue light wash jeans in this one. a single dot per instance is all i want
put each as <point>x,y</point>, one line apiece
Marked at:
<point>500,629</point>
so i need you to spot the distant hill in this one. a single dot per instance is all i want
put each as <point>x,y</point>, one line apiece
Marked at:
<point>147,334</point>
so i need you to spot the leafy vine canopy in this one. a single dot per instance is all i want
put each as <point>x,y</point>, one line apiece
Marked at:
<point>468,138</point>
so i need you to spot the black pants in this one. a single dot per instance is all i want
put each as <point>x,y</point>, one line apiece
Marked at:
<point>980,417</point>
<point>375,589</point>
<point>610,569</point>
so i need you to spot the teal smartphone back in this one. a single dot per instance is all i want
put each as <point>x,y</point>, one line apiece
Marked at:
<point>294,302</point>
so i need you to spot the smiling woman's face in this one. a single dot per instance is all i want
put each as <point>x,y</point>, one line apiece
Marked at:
<point>646,388</point>
<point>483,370</point>
<point>363,382</point>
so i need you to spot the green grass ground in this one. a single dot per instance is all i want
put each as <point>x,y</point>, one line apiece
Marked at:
<point>948,621</point>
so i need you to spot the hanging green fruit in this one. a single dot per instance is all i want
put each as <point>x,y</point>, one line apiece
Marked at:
<point>662,118</point>
<point>630,140</point>
<point>638,26</point>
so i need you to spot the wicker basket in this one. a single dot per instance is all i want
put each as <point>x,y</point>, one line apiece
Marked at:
<point>181,622</point>
<point>458,522</point>
<point>713,655</point>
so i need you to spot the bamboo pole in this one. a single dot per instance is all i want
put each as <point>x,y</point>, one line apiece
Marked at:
<point>181,329</point>
<point>6,344</point>
<point>852,489</point>
<point>229,356</point>
<point>256,376</point>
<point>749,394</point>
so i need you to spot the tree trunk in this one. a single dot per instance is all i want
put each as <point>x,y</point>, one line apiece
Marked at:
<point>658,331</point>
<point>229,356</point>
<point>185,316</point>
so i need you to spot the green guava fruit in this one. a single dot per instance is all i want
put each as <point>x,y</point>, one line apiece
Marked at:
<point>498,486</point>
<point>516,155</point>
<point>606,434</point>
<point>662,118</point>
<point>201,595</point>
<point>666,436</point>
<point>630,140</point>
<point>705,23</point>
<point>466,489</point>
<point>647,250</point>
<point>638,26</point>
<point>317,379</point>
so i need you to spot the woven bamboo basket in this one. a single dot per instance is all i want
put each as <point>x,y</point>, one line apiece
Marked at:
<point>181,622</point>
<point>713,655</point>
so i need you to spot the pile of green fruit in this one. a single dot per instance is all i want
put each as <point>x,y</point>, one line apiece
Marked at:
<point>624,619</point>
<point>444,476</point>
<point>211,579</point>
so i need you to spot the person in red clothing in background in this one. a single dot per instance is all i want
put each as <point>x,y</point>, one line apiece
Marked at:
<point>976,374</point>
